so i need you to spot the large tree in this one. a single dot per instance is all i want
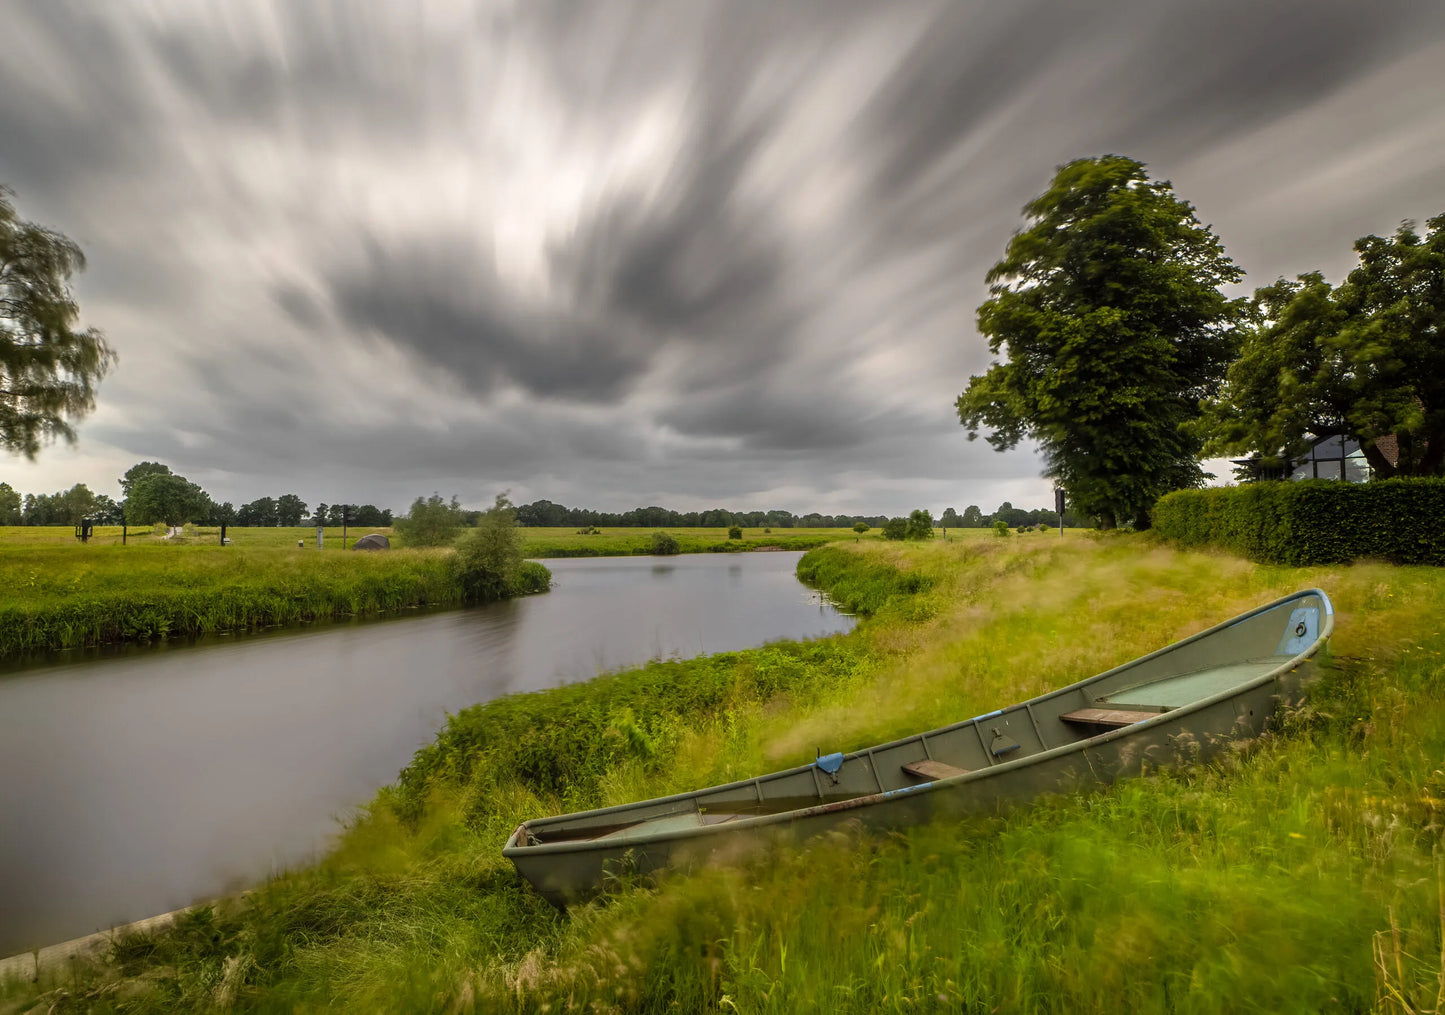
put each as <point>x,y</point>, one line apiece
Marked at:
<point>167,498</point>
<point>290,509</point>
<point>1366,359</point>
<point>1108,309</point>
<point>9,505</point>
<point>49,367</point>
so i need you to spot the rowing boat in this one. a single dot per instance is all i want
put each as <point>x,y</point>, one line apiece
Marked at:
<point>1181,704</point>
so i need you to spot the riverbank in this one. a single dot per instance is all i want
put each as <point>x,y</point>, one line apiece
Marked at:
<point>56,596</point>
<point>57,593</point>
<point>1296,877</point>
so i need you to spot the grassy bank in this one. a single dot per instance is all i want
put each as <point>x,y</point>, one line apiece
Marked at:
<point>60,594</point>
<point>1301,876</point>
<point>569,542</point>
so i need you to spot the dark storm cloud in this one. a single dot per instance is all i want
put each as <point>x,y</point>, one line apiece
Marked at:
<point>446,305</point>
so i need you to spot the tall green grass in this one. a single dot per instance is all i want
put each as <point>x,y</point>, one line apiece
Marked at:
<point>1299,875</point>
<point>61,597</point>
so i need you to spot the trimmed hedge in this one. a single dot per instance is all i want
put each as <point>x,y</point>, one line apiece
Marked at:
<point>1312,522</point>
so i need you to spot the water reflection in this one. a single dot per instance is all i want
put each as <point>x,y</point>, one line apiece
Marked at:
<point>140,783</point>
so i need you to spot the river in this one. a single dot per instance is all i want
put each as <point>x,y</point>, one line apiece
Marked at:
<point>136,782</point>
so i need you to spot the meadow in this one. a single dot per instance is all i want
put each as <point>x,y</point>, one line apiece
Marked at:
<point>57,593</point>
<point>1301,875</point>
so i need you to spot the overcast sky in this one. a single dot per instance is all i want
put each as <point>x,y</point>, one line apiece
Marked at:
<point>616,254</point>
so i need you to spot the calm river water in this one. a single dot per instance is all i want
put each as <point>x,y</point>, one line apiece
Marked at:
<point>139,783</point>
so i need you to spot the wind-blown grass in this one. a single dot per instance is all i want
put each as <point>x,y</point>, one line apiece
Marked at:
<point>1300,875</point>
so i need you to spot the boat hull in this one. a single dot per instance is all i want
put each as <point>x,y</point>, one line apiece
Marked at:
<point>1182,705</point>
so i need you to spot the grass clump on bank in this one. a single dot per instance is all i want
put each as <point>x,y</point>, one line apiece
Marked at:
<point>1298,876</point>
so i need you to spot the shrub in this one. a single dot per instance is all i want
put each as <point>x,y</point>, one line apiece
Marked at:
<point>1312,522</point>
<point>895,528</point>
<point>735,532</point>
<point>663,544</point>
<point>920,525</point>
<point>1000,527</point>
<point>489,558</point>
<point>431,521</point>
<point>861,527</point>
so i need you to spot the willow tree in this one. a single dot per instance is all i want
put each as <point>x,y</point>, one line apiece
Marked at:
<point>49,367</point>
<point>1108,312</point>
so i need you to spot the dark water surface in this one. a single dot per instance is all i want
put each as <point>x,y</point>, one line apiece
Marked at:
<point>140,783</point>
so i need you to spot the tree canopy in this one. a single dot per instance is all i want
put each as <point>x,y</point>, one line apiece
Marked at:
<point>431,521</point>
<point>1366,359</point>
<point>49,368</point>
<point>1109,311</point>
<point>167,498</point>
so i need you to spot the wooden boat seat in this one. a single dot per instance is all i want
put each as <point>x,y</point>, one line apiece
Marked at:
<point>1107,716</point>
<point>927,768</point>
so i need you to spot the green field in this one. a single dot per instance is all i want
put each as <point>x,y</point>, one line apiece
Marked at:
<point>57,593</point>
<point>1302,875</point>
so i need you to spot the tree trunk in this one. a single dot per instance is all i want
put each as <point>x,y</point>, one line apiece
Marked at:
<point>1432,463</point>
<point>1378,462</point>
<point>1106,520</point>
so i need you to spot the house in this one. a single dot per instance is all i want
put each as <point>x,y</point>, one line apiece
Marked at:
<point>1332,456</point>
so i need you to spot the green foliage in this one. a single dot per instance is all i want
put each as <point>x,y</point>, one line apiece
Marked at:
<point>1364,359</point>
<point>139,471</point>
<point>895,528</point>
<point>563,741</point>
<point>66,507</point>
<point>860,527</point>
<point>1108,307</point>
<point>1000,527</point>
<point>664,544</point>
<point>488,558</point>
<point>735,532</point>
<point>9,505</point>
<point>431,521</point>
<point>290,510</point>
<point>49,368</point>
<point>919,526</point>
<point>166,498</point>
<point>1312,522</point>
<point>860,585</point>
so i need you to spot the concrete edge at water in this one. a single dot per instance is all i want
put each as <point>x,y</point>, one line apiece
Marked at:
<point>29,965</point>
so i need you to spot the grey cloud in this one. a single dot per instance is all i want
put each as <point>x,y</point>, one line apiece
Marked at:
<point>447,306</point>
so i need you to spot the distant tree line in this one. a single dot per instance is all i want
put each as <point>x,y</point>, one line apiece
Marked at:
<point>974,518</point>
<point>152,493</point>
<point>544,513</point>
